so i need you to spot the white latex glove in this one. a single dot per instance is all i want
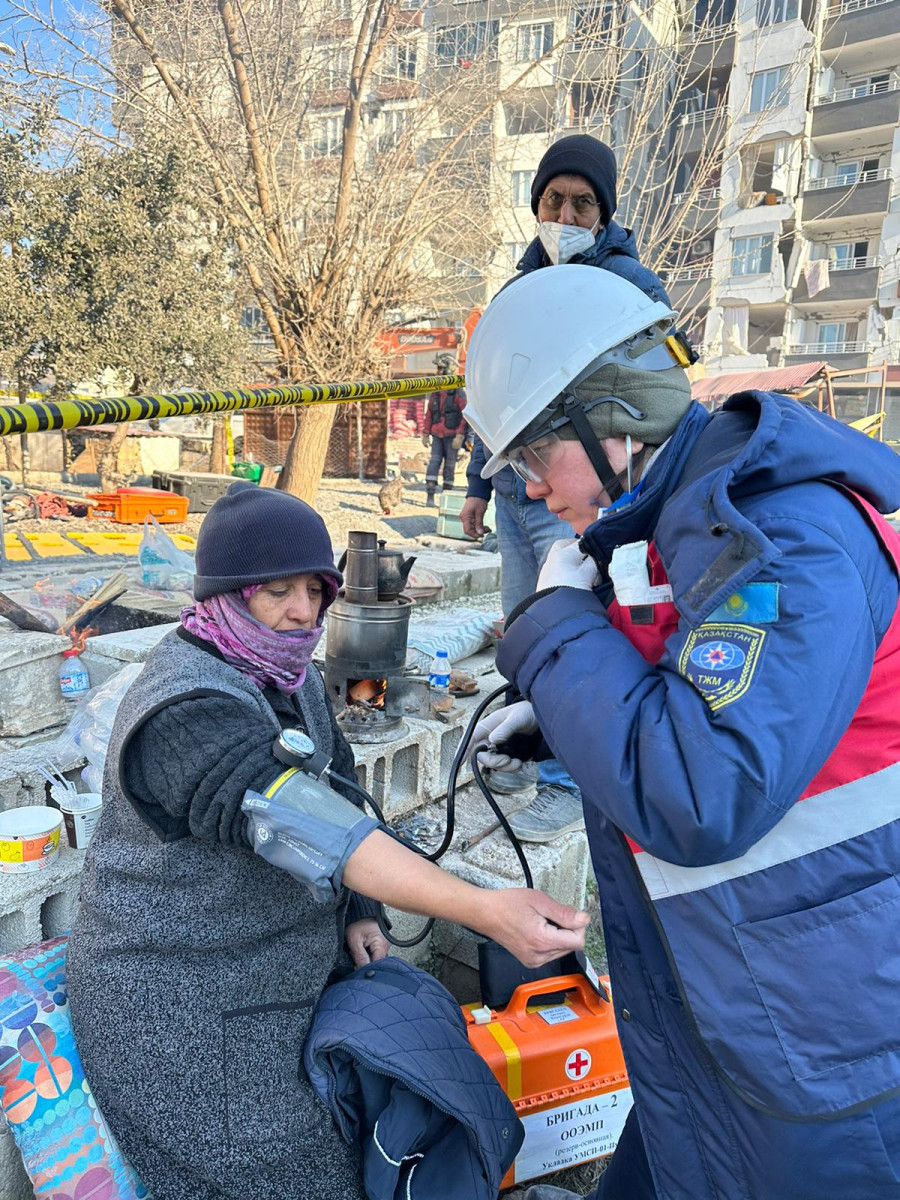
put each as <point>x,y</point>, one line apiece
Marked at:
<point>497,727</point>
<point>566,566</point>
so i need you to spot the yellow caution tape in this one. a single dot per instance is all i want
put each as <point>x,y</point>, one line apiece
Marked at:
<point>68,414</point>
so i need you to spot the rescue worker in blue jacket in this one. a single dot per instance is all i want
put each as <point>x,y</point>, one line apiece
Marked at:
<point>716,659</point>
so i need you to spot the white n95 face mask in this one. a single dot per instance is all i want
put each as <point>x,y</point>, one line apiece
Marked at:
<point>563,242</point>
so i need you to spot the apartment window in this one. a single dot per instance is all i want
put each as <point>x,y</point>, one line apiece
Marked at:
<point>400,60</point>
<point>523,119</point>
<point>855,171</point>
<point>835,333</point>
<point>462,44</point>
<point>465,266</point>
<point>337,67</point>
<point>773,12</point>
<point>394,123</point>
<point>869,85</point>
<point>844,256</point>
<point>252,318</point>
<point>768,89</point>
<point>514,252</point>
<point>592,25</point>
<point>713,14</point>
<point>752,255</point>
<point>521,188</point>
<point>534,41</point>
<point>587,103</point>
<point>327,137</point>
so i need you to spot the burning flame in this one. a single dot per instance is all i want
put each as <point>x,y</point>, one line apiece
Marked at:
<point>370,692</point>
<point>79,638</point>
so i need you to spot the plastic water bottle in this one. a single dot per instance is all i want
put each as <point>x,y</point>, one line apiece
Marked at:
<point>439,673</point>
<point>74,681</point>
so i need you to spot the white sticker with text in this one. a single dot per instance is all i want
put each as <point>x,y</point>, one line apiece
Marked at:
<point>558,1014</point>
<point>571,1133</point>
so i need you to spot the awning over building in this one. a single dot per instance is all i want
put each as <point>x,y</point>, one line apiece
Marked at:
<point>779,379</point>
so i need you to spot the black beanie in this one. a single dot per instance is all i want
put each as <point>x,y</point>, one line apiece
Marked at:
<point>254,534</point>
<point>583,155</point>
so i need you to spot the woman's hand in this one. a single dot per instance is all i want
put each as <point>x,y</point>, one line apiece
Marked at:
<point>366,942</point>
<point>532,925</point>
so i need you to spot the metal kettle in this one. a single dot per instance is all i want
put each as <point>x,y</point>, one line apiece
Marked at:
<point>393,571</point>
<point>373,575</point>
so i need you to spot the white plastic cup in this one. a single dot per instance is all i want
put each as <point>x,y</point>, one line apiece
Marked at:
<point>81,812</point>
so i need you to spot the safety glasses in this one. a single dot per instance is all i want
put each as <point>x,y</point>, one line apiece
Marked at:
<point>534,461</point>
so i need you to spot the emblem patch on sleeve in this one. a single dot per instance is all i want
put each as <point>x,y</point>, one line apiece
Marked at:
<point>720,660</point>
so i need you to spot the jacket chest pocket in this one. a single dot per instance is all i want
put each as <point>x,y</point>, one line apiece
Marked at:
<point>268,1101</point>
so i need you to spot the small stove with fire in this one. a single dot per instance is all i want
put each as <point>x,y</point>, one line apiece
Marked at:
<point>365,654</point>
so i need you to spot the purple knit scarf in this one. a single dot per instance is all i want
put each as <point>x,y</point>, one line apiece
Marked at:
<point>267,656</point>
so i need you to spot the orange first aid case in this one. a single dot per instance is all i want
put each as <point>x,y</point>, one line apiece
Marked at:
<point>562,1067</point>
<point>131,505</point>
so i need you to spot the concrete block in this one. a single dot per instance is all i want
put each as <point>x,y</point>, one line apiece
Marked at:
<point>21,782</point>
<point>14,1183</point>
<point>30,698</point>
<point>400,775</point>
<point>404,926</point>
<point>465,573</point>
<point>559,868</point>
<point>109,652</point>
<point>39,906</point>
<point>130,645</point>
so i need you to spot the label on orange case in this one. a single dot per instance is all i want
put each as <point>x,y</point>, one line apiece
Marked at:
<point>571,1133</point>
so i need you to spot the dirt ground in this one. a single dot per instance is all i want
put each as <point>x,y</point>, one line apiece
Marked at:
<point>344,504</point>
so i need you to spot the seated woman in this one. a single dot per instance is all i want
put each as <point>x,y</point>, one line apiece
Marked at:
<point>195,965</point>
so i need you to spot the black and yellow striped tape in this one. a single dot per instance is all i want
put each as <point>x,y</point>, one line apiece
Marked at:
<point>43,416</point>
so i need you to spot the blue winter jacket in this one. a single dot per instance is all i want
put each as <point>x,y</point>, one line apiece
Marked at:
<point>388,1053</point>
<point>768,1065</point>
<point>615,250</point>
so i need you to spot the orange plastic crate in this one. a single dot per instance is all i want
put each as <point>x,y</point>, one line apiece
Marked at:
<point>131,505</point>
<point>562,1067</point>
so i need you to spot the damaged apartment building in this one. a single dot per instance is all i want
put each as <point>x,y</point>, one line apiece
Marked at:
<point>759,151</point>
<point>796,258</point>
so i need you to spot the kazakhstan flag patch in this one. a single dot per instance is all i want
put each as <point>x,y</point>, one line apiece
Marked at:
<point>753,604</point>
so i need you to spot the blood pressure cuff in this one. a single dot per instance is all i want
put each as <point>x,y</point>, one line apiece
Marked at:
<point>303,827</point>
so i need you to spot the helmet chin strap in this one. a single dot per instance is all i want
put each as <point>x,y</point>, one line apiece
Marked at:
<point>612,485</point>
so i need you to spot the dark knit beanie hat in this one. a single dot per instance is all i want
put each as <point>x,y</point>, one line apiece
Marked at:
<point>255,534</point>
<point>580,154</point>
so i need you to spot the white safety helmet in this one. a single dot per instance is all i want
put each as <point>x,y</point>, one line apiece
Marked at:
<point>543,334</point>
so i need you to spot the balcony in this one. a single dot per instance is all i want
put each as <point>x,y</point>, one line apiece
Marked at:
<point>589,62</point>
<point>855,22</point>
<point>697,129</point>
<point>711,46</point>
<point>703,196</point>
<point>875,110</point>
<point>396,89</point>
<point>852,281</point>
<point>688,287</point>
<point>845,355</point>
<point>698,212</point>
<point>335,97</point>
<point>834,200</point>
